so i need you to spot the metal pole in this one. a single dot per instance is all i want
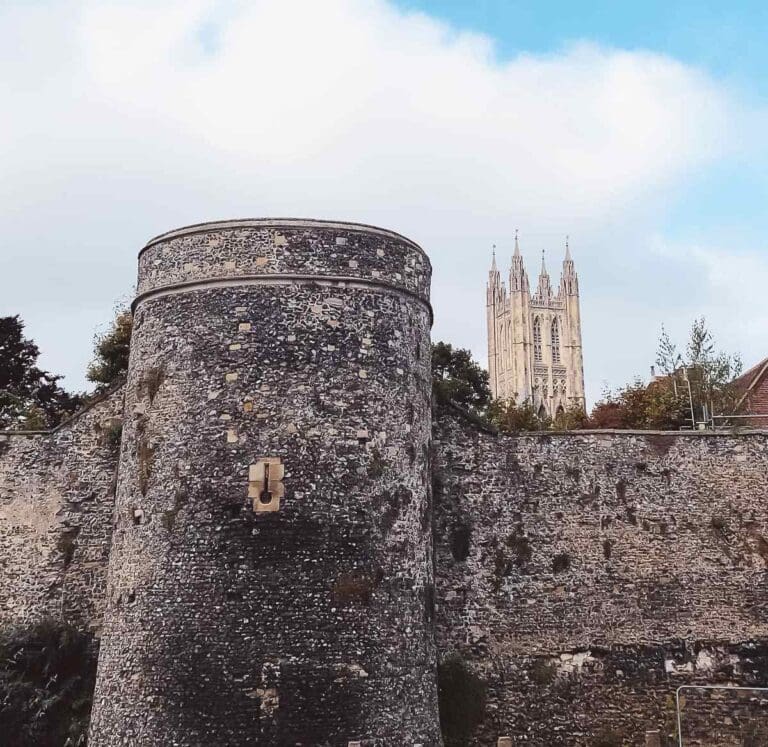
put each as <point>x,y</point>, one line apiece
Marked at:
<point>690,397</point>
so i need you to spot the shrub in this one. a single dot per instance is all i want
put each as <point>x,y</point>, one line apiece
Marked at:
<point>111,351</point>
<point>509,416</point>
<point>461,699</point>
<point>47,675</point>
<point>561,562</point>
<point>114,435</point>
<point>542,672</point>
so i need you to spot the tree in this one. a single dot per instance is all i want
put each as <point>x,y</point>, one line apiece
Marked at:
<point>457,378</point>
<point>511,417</point>
<point>710,373</point>
<point>667,358</point>
<point>667,401</point>
<point>655,406</point>
<point>47,675</point>
<point>572,419</point>
<point>703,376</point>
<point>111,351</point>
<point>30,398</point>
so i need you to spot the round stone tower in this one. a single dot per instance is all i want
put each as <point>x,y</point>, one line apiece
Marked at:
<point>270,580</point>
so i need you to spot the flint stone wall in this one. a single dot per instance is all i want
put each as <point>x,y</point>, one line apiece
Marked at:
<point>310,624</point>
<point>269,248</point>
<point>582,576</point>
<point>56,501</point>
<point>586,576</point>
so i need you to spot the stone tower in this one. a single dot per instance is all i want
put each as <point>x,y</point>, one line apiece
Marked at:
<point>271,579</point>
<point>534,341</point>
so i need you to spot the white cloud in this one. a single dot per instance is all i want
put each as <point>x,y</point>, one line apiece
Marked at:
<point>730,290</point>
<point>135,117</point>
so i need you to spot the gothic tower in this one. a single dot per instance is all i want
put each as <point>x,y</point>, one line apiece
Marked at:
<point>534,341</point>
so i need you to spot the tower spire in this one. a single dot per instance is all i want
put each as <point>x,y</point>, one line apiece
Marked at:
<point>518,278</point>
<point>495,290</point>
<point>544,290</point>
<point>569,281</point>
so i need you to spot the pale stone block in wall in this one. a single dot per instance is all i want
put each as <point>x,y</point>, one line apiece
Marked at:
<point>652,739</point>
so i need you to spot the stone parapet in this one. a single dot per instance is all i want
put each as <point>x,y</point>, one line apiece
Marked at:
<point>287,250</point>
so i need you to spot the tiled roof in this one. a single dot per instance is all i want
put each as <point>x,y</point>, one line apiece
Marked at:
<point>753,385</point>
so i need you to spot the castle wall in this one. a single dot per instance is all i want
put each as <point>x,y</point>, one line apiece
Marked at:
<point>56,500</point>
<point>294,609</point>
<point>586,576</point>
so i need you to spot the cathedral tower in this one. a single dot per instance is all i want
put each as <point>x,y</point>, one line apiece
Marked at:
<point>534,341</point>
<point>271,577</point>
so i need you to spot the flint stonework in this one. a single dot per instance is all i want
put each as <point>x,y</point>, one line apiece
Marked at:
<point>278,543</point>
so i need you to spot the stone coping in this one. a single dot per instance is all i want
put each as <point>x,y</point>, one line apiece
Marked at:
<point>336,281</point>
<point>91,403</point>
<point>491,429</point>
<point>223,225</point>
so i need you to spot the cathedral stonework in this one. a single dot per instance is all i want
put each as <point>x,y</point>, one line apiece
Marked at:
<point>534,341</point>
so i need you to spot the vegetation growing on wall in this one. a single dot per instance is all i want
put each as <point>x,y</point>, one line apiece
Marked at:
<point>47,675</point>
<point>462,696</point>
<point>111,351</point>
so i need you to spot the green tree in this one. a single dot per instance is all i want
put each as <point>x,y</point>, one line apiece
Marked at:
<point>111,351</point>
<point>572,419</point>
<point>458,378</point>
<point>710,373</point>
<point>511,417</point>
<point>701,378</point>
<point>667,358</point>
<point>30,398</point>
<point>47,675</point>
<point>655,406</point>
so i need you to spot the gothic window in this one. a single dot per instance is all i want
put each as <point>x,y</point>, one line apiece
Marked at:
<point>500,346</point>
<point>537,339</point>
<point>555,341</point>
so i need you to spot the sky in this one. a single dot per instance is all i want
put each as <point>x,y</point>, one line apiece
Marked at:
<point>638,129</point>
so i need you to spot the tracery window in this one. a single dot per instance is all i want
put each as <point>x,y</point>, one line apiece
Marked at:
<point>537,339</point>
<point>555,341</point>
